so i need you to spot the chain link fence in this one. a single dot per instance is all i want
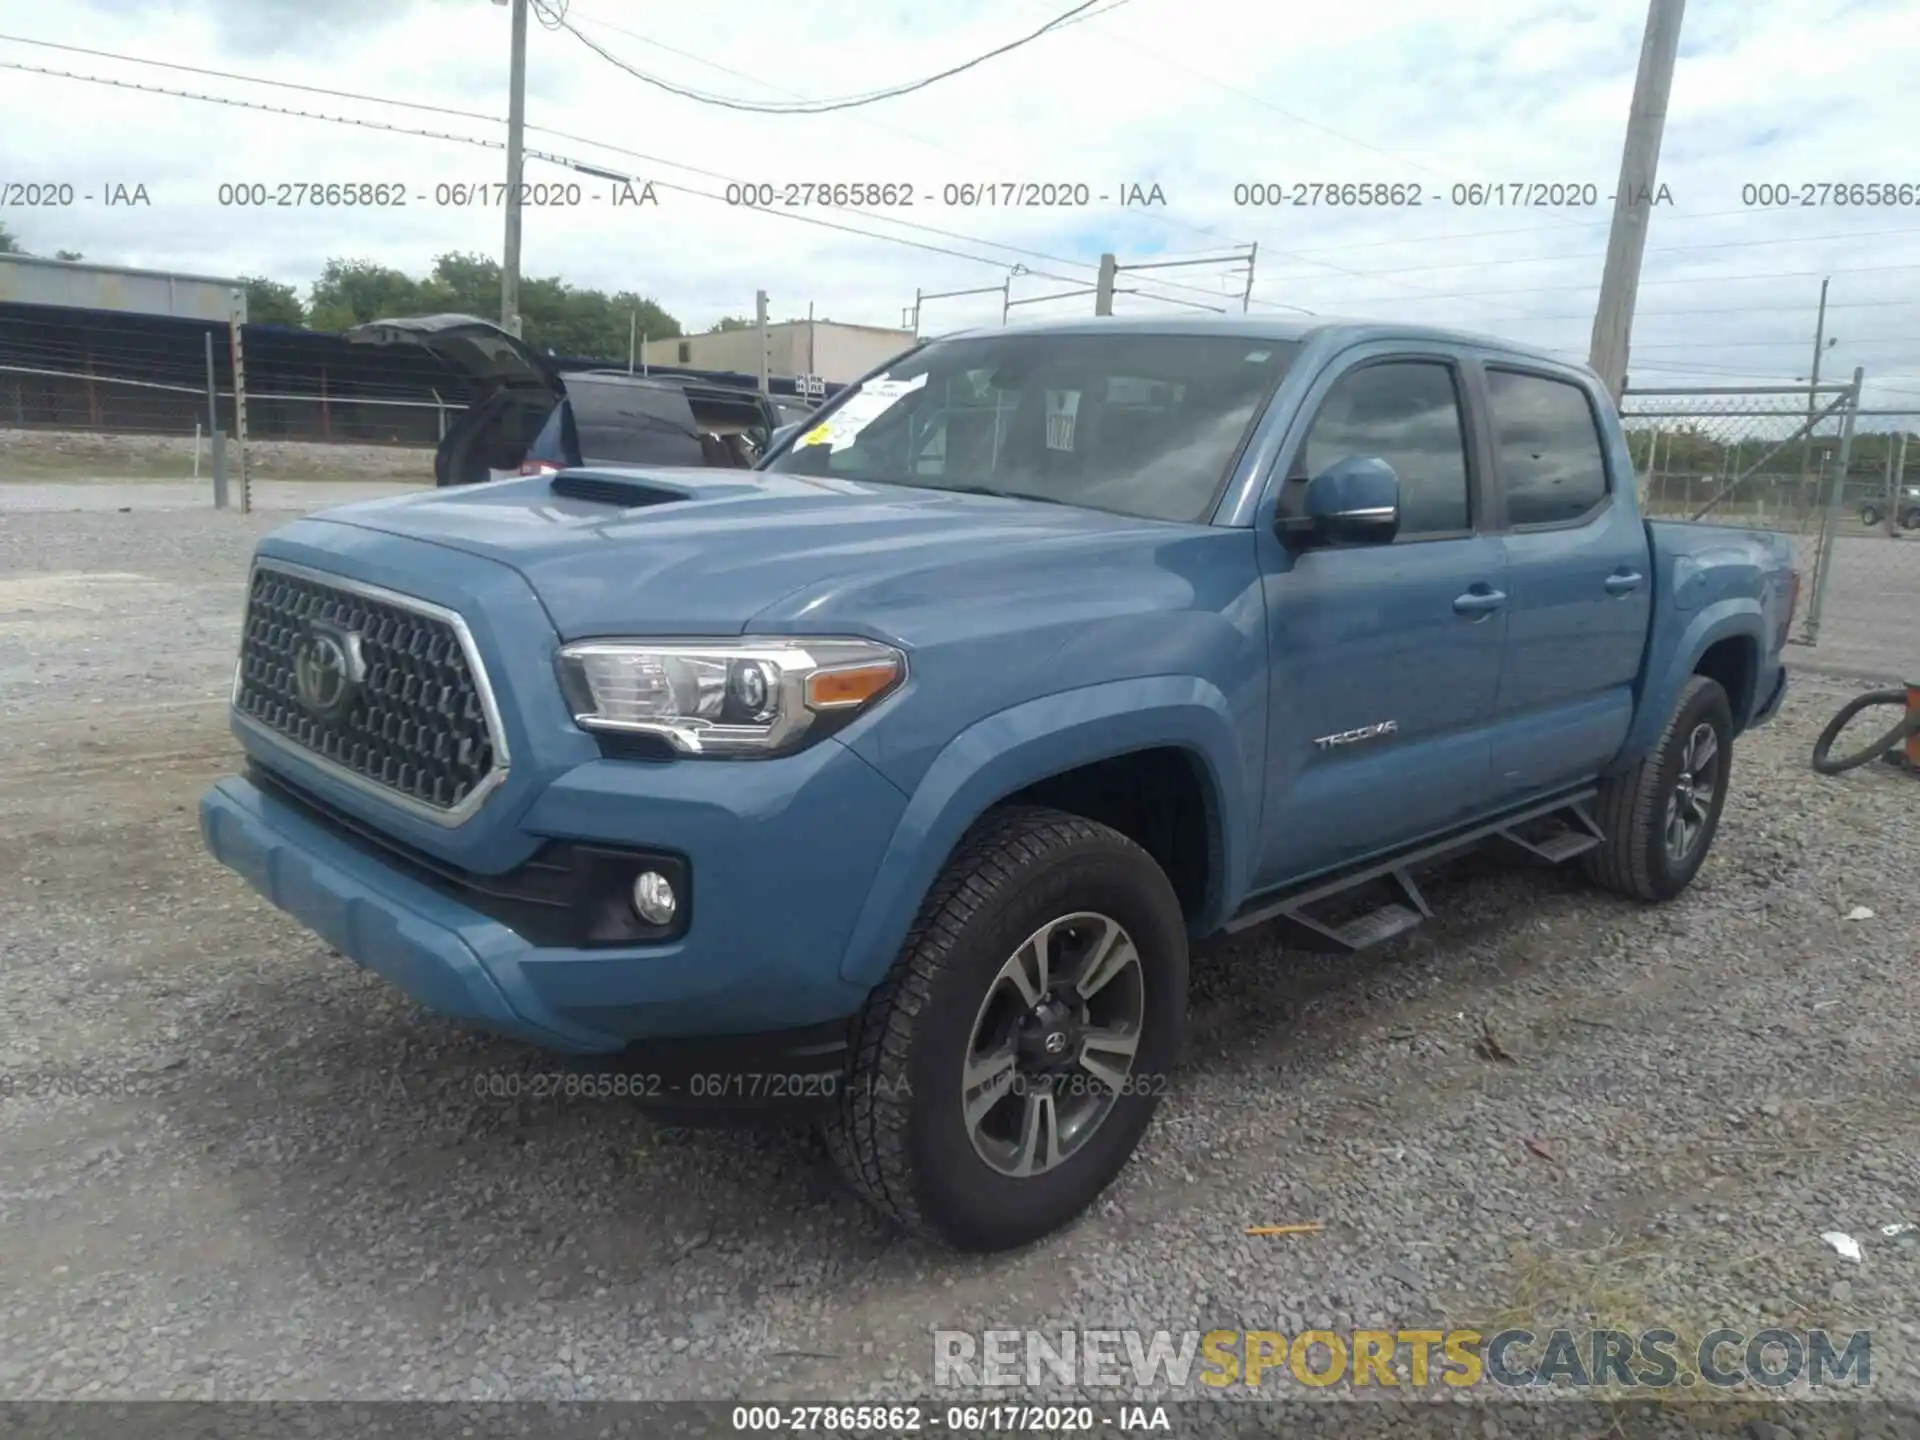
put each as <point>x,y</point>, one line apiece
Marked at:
<point>1810,462</point>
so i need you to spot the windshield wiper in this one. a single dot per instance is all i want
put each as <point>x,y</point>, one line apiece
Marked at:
<point>998,494</point>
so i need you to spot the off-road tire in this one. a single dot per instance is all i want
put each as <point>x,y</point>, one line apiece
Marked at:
<point>898,1132</point>
<point>1632,860</point>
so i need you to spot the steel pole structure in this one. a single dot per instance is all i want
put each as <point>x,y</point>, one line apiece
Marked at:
<point>760,322</point>
<point>1813,386</point>
<point>216,452</point>
<point>1896,480</point>
<point>1823,569</point>
<point>237,361</point>
<point>516,170</point>
<point>1633,198</point>
<point>1103,291</point>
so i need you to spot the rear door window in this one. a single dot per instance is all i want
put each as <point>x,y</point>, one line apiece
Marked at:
<point>622,423</point>
<point>1546,442</point>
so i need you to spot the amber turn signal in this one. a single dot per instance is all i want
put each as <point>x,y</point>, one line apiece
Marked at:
<point>853,686</point>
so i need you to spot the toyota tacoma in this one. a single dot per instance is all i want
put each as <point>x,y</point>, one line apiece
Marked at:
<point>889,782</point>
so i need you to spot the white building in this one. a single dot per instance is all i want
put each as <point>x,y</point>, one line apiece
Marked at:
<point>835,352</point>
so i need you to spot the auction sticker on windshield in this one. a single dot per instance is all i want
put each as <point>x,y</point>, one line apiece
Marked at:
<point>868,404</point>
<point>1063,409</point>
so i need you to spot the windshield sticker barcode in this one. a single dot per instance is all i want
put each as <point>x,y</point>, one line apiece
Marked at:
<point>1063,408</point>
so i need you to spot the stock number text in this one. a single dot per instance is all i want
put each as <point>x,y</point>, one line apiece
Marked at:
<point>1864,194</point>
<point>303,194</point>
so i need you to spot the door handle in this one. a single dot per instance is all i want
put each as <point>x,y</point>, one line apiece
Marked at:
<point>1479,602</point>
<point>1623,584</point>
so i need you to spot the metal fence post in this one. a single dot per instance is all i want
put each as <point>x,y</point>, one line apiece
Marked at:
<point>213,392</point>
<point>234,324</point>
<point>1823,566</point>
<point>218,441</point>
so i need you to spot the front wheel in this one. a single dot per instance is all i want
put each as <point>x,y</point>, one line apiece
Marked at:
<point>1007,1067</point>
<point>1911,520</point>
<point>1660,815</point>
<point>1869,515</point>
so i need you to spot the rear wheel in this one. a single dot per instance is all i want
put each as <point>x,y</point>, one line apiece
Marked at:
<point>1659,816</point>
<point>1008,1065</point>
<point>1911,520</point>
<point>1870,515</point>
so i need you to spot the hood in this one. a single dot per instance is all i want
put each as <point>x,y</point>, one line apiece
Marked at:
<point>478,349</point>
<point>704,552</point>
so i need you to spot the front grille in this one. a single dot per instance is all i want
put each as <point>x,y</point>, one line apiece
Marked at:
<point>414,722</point>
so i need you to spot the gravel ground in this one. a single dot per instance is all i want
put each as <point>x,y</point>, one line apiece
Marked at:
<point>233,1166</point>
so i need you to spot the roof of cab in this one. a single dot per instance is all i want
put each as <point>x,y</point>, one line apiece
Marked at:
<point>1272,327</point>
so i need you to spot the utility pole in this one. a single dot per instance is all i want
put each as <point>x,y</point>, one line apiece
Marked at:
<point>1246,296</point>
<point>1103,295</point>
<point>916,312</point>
<point>1633,198</point>
<point>516,168</point>
<point>760,322</point>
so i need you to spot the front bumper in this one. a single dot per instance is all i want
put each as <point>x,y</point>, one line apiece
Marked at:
<point>756,973</point>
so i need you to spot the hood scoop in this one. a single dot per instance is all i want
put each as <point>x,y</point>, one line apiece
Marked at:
<point>623,492</point>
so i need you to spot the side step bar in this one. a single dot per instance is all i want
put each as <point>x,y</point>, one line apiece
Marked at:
<point>1546,832</point>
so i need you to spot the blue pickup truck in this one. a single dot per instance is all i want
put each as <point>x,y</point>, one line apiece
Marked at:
<point>889,782</point>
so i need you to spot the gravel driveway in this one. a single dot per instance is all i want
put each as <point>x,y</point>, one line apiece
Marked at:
<point>232,1165</point>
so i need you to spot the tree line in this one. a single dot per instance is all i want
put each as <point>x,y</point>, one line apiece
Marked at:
<point>1691,449</point>
<point>554,315</point>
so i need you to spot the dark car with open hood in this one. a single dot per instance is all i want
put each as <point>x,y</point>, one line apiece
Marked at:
<point>528,417</point>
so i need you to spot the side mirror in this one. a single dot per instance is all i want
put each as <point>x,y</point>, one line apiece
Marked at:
<point>1354,501</point>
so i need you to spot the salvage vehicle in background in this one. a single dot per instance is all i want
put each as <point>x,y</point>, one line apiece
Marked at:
<point>890,782</point>
<point>1873,511</point>
<point>529,417</point>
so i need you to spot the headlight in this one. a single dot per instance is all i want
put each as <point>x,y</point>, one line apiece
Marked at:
<point>733,697</point>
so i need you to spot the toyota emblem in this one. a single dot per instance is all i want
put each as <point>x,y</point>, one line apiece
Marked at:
<point>327,671</point>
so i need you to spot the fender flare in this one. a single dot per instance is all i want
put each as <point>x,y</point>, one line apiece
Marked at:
<point>1008,751</point>
<point>1733,618</point>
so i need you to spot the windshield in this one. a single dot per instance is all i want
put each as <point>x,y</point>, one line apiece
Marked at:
<point>1141,424</point>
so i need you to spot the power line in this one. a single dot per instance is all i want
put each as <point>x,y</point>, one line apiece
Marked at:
<point>571,163</point>
<point>1651,250</point>
<point>247,79</point>
<point>496,120</point>
<point>820,107</point>
<point>1158,218</point>
<point>1163,285</point>
<point>568,162</point>
<point>1678,280</point>
<point>1791,342</point>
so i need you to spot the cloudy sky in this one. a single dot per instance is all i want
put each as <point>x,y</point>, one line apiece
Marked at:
<point>1195,97</point>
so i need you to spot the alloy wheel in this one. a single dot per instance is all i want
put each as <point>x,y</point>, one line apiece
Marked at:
<point>1690,805</point>
<point>1053,1045</point>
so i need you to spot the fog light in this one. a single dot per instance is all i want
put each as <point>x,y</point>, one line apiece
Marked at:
<point>653,898</point>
